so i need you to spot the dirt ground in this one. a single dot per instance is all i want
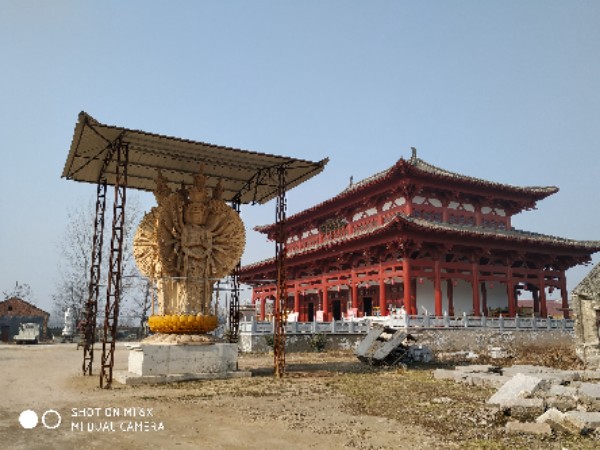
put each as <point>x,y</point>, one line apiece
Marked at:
<point>326,401</point>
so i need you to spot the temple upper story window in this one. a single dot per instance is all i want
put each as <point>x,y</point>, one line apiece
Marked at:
<point>333,225</point>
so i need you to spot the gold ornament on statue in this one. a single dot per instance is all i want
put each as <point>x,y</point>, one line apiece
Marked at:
<point>186,243</point>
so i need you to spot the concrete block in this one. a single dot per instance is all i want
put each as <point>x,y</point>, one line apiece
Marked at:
<point>559,390</point>
<point>590,391</point>
<point>552,415</point>
<point>524,369</point>
<point>486,379</point>
<point>562,403</point>
<point>163,359</point>
<point>582,421</point>
<point>526,409</point>
<point>475,368</point>
<point>529,428</point>
<point>444,374</point>
<point>590,375</point>
<point>562,376</point>
<point>516,389</point>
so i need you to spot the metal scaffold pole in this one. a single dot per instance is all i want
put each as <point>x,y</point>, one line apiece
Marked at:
<point>113,290</point>
<point>234,304</point>
<point>91,306</point>
<point>280,257</point>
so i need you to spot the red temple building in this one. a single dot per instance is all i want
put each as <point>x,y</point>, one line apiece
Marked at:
<point>420,238</point>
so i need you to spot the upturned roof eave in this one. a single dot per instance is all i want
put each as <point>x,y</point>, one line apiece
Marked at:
<point>421,225</point>
<point>415,166</point>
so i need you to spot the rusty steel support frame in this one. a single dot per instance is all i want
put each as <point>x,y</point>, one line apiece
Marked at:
<point>91,306</point>
<point>234,305</point>
<point>280,257</point>
<point>113,289</point>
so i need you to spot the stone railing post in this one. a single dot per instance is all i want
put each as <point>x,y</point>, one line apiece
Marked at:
<point>465,320</point>
<point>517,321</point>
<point>446,319</point>
<point>501,322</point>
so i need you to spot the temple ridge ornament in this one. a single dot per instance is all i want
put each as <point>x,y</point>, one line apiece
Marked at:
<point>186,243</point>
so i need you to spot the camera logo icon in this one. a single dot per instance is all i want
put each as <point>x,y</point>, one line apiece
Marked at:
<point>29,419</point>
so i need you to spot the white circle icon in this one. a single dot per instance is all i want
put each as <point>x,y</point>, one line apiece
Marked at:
<point>57,419</point>
<point>28,419</point>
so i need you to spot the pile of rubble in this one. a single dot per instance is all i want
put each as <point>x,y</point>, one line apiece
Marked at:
<point>390,346</point>
<point>538,399</point>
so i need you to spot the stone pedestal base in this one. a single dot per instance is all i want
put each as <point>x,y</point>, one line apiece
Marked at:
<point>168,363</point>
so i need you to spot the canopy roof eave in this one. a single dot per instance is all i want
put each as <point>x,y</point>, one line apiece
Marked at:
<point>416,167</point>
<point>246,176</point>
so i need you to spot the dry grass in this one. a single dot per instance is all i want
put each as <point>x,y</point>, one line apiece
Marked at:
<point>456,413</point>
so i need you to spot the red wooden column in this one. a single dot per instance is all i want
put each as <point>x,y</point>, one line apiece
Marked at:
<point>325,300</point>
<point>297,299</point>
<point>263,306</point>
<point>407,285</point>
<point>437,286</point>
<point>564,294</point>
<point>542,294</point>
<point>450,293</point>
<point>355,295</point>
<point>512,310</point>
<point>484,307</point>
<point>382,303</point>
<point>413,296</point>
<point>475,289</point>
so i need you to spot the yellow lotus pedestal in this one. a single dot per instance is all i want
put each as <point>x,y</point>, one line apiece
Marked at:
<point>182,324</point>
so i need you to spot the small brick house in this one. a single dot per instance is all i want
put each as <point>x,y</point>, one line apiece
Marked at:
<point>15,311</point>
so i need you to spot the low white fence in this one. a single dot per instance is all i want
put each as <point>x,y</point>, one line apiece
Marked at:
<point>362,326</point>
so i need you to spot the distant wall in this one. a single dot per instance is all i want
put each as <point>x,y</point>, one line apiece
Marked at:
<point>438,340</point>
<point>257,343</point>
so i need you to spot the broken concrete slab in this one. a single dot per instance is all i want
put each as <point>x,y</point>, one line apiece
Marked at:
<point>560,390</point>
<point>446,374</point>
<point>582,421</point>
<point>562,403</point>
<point>517,389</point>
<point>590,375</point>
<point>556,420</point>
<point>551,415</point>
<point>529,428</point>
<point>590,391</point>
<point>477,368</point>
<point>548,373</point>
<point>485,379</point>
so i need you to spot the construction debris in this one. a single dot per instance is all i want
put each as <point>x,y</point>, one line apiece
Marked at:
<point>390,346</point>
<point>564,400</point>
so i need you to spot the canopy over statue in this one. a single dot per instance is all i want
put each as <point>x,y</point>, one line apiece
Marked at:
<point>183,243</point>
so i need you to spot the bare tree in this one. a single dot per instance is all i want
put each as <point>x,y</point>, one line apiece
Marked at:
<point>20,290</point>
<point>76,248</point>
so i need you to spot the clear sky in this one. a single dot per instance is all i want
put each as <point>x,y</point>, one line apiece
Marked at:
<point>503,90</point>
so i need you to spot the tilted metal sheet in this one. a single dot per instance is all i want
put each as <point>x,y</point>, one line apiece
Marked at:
<point>250,175</point>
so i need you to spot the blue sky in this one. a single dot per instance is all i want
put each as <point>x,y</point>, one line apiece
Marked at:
<point>503,90</point>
